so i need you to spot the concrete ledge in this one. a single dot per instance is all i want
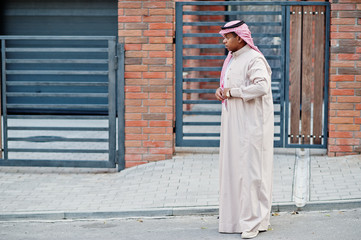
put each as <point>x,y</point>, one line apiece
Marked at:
<point>184,211</point>
<point>317,206</point>
<point>32,216</point>
<point>176,211</point>
<point>215,150</point>
<point>332,205</point>
<point>85,215</point>
<point>120,214</point>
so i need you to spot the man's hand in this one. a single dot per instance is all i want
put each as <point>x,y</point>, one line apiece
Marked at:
<point>225,90</point>
<point>219,94</point>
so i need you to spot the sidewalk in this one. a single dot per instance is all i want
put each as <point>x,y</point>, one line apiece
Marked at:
<point>186,184</point>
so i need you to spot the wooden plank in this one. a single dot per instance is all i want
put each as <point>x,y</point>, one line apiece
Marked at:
<point>319,73</point>
<point>295,71</point>
<point>307,74</point>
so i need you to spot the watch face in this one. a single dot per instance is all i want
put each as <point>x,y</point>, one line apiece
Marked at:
<point>227,94</point>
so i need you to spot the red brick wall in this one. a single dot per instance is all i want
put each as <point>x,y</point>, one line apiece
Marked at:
<point>345,78</point>
<point>147,28</point>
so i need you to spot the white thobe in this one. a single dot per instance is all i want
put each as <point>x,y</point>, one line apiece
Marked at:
<point>246,146</point>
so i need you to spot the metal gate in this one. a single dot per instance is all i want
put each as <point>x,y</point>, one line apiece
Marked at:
<point>59,101</point>
<point>200,54</point>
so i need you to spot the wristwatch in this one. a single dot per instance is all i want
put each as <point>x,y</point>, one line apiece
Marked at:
<point>228,93</point>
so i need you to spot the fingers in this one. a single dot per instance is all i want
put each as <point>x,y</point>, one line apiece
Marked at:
<point>219,94</point>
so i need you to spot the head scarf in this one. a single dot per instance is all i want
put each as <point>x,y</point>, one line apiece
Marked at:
<point>242,30</point>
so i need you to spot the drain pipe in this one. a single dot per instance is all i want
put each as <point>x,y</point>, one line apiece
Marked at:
<point>301,177</point>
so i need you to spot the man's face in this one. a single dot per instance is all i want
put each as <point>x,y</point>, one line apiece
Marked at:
<point>232,42</point>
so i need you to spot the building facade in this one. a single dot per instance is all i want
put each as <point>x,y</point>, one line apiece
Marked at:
<point>147,29</point>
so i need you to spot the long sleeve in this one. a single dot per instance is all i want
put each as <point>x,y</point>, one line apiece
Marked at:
<point>259,76</point>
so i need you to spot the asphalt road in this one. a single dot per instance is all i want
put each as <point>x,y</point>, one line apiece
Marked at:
<point>318,225</point>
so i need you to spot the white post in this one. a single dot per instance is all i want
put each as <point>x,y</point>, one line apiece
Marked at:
<point>301,178</point>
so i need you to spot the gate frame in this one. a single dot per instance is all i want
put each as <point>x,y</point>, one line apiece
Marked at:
<point>115,105</point>
<point>284,63</point>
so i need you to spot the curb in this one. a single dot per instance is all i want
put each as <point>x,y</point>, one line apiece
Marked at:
<point>166,212</point>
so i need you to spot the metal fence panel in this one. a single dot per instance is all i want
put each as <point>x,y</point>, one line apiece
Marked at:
<point>198,64</point>
<point>67,121</point>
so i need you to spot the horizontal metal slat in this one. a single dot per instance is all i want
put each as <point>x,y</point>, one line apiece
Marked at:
<point>46,38</point>
<point>205,13</point>
<point>254,35</point>
<point>276,69</point>
<point>201,134</point>
<point>200,143</point>
<point>212,113</point>
<point>57,106</point>
<point>200,79</point>
<point>56,49</point>
<point>57,163</point>
<point>273,57</point>
<point>201,123</point>
<point>74,95</point>
<point>205,57</point>
<point>203,46</point>
<point>259,3</point>
<point>58,128</point>
<point>51,139</point>
<point>216,69</point>
<point>221,23</point>
<point>61,12</point>
<point>43,83</point>
<point>201,35</point>
<point>55,72</point>
<point>201,113</point>
<point>213,123</point>
<point>90,61</point>
<point>202,68</point>
<point>268,46</point>
<point>222,46</point>
<point>276,80</point>
<point>261,35</point>
<point>199,90</point>
<point>221,57</point>
<point>201,102</point>
<point>264,23</point>
<point>57,150</point>
<point>81,117</point>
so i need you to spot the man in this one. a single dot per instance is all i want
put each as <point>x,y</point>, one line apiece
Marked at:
<point>246,148</point>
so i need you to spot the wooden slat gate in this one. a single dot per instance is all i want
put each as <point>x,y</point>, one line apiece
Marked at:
<point>294,38</point>
<point>308,75</point>
<point>60,100</point>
